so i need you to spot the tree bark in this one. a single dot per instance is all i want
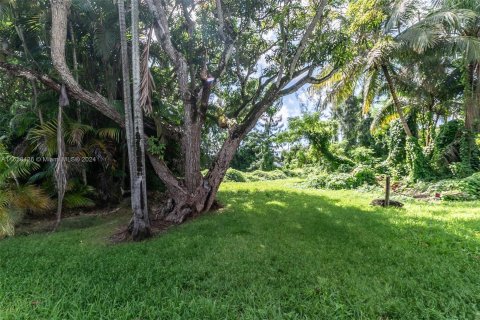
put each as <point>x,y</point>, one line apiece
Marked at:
<point>140,228</point>
<point>472,98</point>
<point>127,95</point>
<point>61,165</point>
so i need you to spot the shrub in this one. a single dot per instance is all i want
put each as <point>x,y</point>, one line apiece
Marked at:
<point>417,163</point>
<point>460,169</point>
<point>454,189</point>
<point>340,181</point>
<point>382,168</point>
<point>233,175</point>
<point>471,185</point>
<point>345,168</point>
<point>363,155</point>
<point>337,181</point>
<point>364,175</point>
<point>293,173</point>
<point>258,175</point>
<point>317,182</point>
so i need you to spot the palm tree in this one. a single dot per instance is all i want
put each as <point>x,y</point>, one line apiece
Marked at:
<point>397,41</point>
<point>454,27</point>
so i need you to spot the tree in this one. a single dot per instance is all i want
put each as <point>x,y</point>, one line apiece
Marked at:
<point>470,34</point>
<point>349,117</point>
<point>209,63</point>
<point>319,134</point>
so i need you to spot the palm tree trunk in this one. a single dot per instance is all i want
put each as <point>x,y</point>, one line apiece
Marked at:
<point>468,96</point>
<point>140,227</point>
<point>61,166</point>
<point>396,101</point>
<point>472,98</point>
<point>78,110</point>
<point>127,95</point>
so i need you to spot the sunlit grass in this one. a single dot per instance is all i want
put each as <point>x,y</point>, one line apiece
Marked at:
<point>274,252</point>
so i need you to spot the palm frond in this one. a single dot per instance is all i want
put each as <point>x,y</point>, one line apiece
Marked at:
<point>403,11</point>
<point>450,18</point>
<point>7,226</point>
<point>470,46</point>
<point>381,52</point>
<point>441,27</point>
<point>76,132</point>
<point>147,85</point>
<point>383,117</point>
<point>44,138</point>
<point>114,134</point>
<point>75,200</point>
<point>47,172</point>
<point>369,90</point>
<point>30,198</point>
<point>342,84</point>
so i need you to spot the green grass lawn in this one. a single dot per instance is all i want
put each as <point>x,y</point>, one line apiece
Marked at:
<point>274,252</point>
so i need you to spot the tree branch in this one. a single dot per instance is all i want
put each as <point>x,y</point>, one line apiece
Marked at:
<point>177,59</point>
<point>306,36</point>
<point>60,9</point>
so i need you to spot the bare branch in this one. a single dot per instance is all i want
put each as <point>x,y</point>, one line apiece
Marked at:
<point>177,59</point>
<point>308,33</point>
<point>221,21</point>
<point>308,79</point>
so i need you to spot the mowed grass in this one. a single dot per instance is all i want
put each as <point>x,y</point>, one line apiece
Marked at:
<point>274,252</point>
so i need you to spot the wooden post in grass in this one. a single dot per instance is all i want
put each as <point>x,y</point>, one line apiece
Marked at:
<point>387,192</point>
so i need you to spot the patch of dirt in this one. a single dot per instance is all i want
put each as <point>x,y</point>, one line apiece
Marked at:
<point>381,203</point>
<point>71,219</point>
<point>158,223</point>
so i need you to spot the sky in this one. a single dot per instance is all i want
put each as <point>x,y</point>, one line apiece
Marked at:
<point>292,104</point>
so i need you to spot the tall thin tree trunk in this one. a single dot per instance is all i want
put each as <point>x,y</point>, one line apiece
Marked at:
<point>396,101</point>
<point>78,110</point>
<point>472,97</point>
<point>127,94</point>
<point>61,165</point>
<point>141,222</point>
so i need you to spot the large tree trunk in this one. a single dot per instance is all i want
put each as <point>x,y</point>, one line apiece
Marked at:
<point>396,101</point>
<point>191,145</point>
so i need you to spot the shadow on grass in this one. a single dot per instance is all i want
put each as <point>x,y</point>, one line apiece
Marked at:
<point>269,254</point>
